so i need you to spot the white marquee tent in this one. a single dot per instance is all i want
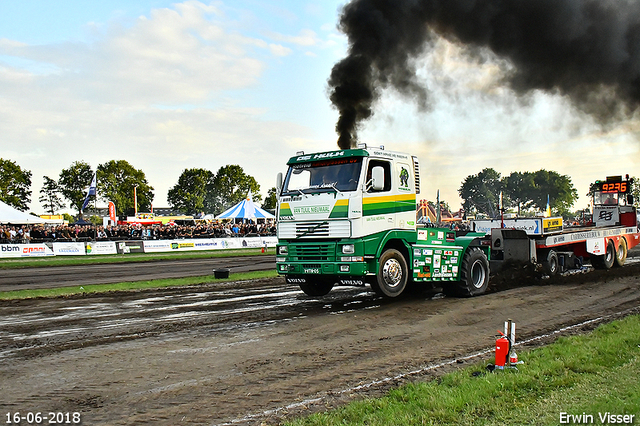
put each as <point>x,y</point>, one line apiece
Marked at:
<point>10,215</point>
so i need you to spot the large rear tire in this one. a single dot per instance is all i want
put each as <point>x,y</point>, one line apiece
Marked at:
<point>606,260</point>
<point>621,253</point>
<point>392,275</point>
<point>474,273</point>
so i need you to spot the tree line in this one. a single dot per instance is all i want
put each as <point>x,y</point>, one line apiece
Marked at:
<point>525,192</point>
<point>201,190</point>
<point>197,190</point>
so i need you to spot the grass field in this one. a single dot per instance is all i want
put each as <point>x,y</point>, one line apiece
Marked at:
<point>590,379</point>
<point>129,285</point>
<point>130,257</point>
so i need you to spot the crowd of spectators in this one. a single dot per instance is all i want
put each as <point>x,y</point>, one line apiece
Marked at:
<point>24,234</point>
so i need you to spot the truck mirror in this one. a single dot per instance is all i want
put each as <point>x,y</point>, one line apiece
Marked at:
<point>279,183</point>
<point>630,199</point>
<point>377,178</point>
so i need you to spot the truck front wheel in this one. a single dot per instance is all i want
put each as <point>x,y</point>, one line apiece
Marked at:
<point>474,273</point>
<point>392,276</point>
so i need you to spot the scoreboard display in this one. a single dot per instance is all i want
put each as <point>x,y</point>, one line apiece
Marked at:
<point>614,185</point>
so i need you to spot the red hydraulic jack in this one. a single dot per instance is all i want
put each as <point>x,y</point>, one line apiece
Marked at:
<point>506,356</point>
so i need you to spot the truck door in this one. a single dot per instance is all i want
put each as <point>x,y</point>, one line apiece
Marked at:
<point>378,207</point>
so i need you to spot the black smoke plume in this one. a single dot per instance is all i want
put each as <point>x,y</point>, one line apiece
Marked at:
<point>586,50</point>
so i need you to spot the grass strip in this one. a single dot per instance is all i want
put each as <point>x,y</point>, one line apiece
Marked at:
<point>130,257</point>
<point>132,285</point>
<point>586,376</point>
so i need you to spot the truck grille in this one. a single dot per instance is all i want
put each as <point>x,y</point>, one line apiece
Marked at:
<point>316,229</point>
<point>310,253</point>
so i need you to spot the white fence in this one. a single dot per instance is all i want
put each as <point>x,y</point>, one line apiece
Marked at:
<point>138,246</point>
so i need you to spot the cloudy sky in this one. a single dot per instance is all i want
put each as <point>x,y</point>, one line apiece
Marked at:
<point>168,86</point>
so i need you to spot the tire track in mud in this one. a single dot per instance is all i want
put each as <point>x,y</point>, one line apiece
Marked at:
<point>32,327</point>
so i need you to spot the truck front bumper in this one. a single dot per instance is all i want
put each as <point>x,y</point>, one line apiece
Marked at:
<point>323,268</point>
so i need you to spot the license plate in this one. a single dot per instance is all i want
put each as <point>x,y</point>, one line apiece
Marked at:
<point>311,270</point>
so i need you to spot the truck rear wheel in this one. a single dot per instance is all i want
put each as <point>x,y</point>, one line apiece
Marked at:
<point>392,276</point>
<point>621,253</point>
<point>316,287</point>
<point>606,260</point>
<point>474,273</point>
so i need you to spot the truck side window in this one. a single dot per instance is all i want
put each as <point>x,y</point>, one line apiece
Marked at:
<point>387,174</point>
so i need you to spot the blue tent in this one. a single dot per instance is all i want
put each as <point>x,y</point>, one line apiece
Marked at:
<point>245,209</point>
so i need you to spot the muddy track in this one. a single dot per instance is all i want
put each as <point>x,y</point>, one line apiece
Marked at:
<point>63,276</point>
<point>259,351</point>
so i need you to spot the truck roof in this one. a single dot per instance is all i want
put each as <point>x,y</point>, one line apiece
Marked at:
<point>320,156</point>
<point>345,153</point>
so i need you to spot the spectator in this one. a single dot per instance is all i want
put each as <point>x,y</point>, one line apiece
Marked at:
<point>48,233</point>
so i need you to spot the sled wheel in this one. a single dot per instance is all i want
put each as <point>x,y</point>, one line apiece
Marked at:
<point>621,253</point>
<point>550,265</point>
<point>392,276</point>
<point>606,260</point>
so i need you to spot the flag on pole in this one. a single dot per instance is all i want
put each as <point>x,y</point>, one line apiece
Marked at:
<point>90,192</point>
<point>548,207</point>
<point>438,210</point>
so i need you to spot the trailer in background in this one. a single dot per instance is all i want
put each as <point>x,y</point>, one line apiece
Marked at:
<point>604,241</point>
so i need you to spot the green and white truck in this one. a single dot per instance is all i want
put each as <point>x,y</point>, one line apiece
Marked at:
<point>349,217</point>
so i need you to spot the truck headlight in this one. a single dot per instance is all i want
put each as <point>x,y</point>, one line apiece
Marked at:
<point>348,249</point>
<point>283,250</point>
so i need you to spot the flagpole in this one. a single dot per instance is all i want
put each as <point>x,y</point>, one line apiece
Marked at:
<point>95,208</point>
<point>135,201</point>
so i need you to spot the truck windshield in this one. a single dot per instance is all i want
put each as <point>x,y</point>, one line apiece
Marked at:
<point>602,198</point>
<point>323,176</point>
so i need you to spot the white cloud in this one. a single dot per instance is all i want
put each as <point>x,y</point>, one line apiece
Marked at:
<point>157,93</point>
<point>279,50</point>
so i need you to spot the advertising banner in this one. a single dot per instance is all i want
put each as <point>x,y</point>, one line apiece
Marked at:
<point>532,226</point>
<point>25,250</point>
<point>112,212</point>
<point>101,247</point>
<point>606,215</point>
<point>124,247</point>
<point>69,249</point>
<point>155,246</point>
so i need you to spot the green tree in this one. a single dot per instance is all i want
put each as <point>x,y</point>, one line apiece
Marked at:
<point>480,193</point>
<point>116,182</point>
<point>271,201</point>
<point>230,185</point>
<point>519,189</point>
<point>73,183</point>
<point>557,188</point>
<point>191,193</point>
<point>635,190</point>
<point>50,196</point>
<point>14,185</point>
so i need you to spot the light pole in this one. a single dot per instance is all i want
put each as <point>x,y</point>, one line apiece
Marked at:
<point>135,201</point>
